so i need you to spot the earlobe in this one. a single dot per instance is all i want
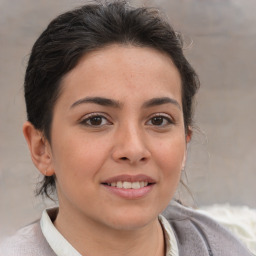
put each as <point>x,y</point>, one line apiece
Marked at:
<point>39,149</point>
<point>188,139</point>
<point>184,162</point>
<point>189,134</point>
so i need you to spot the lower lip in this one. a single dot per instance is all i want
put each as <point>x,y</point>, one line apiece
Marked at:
<point>130,193</point>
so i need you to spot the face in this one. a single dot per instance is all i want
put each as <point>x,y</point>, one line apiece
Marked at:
<point>118,141</point>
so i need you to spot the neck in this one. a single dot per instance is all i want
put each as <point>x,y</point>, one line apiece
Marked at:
<point>91,238</point>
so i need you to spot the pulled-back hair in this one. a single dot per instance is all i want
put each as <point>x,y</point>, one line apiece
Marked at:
<point>91,27</point>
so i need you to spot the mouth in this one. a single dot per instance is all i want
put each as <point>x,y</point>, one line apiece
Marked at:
<point>128,184</point>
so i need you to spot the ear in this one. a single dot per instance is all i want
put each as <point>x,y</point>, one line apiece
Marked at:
<point>189,134</point>
<point>188,139</point>
<point>40,149</point>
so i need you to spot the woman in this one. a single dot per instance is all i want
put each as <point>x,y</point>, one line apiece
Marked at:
<point>109,98</point>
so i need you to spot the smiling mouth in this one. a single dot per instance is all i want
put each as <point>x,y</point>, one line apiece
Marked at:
<point>129,185</point>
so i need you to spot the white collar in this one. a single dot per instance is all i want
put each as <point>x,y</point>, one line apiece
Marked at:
<point>63,248</point>
<point>54,238</point>
<point>170,239</point>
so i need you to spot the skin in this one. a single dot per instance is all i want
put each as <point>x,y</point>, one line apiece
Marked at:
<point>123,139</point>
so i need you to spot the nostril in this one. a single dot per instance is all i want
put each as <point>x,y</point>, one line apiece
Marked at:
<point>126,158</point>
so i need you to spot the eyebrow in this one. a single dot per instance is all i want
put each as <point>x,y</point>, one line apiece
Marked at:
<point>160,101</point>
<point>116,104</point>
<point>98,100</point>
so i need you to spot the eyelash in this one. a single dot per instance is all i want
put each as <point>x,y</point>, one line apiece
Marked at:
<point>164,117</point>
<point>89,118</point>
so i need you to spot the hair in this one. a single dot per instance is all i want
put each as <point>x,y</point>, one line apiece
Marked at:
<point>91,27</point>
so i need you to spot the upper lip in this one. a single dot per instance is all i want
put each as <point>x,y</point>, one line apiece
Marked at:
<point>130,178</point>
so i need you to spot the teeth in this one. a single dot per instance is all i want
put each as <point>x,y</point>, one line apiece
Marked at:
<point>129,185</point>
<point>119,184</point>
<point>135,185</point>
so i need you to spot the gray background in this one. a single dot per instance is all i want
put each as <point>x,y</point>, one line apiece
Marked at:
<point>221,165</point>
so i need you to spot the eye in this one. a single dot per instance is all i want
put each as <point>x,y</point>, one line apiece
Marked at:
<point>95,120</point>
<point>160,120</point>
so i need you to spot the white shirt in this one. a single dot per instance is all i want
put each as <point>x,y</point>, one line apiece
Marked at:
<point>63,248</point>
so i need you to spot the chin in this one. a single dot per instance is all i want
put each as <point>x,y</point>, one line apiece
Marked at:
<point>131,220</point>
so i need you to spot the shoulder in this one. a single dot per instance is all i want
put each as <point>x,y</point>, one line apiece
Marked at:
<point>198,234</point>
<point>27,241</point>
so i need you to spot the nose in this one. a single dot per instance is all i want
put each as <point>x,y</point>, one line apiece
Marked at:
<point>130,146</point>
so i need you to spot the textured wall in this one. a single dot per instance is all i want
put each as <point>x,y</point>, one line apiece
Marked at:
<point>221,164</point>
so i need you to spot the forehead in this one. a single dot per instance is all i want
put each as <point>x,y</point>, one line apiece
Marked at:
<point>118,69</point>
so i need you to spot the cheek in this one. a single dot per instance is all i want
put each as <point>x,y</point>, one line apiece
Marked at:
<point>76,166</point>
<point>77,156</point>
<point>170,155</point>
<point>169,158</point>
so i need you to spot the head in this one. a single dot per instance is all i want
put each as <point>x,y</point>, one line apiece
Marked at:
<point>88,29</point>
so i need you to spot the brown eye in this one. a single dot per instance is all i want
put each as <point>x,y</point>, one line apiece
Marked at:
<point>157,120</point>
<point>160,121</point>
<point>95,121</point>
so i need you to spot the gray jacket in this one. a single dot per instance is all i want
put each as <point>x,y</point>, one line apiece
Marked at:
<point>199,235</point>
<point>196,234</point>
